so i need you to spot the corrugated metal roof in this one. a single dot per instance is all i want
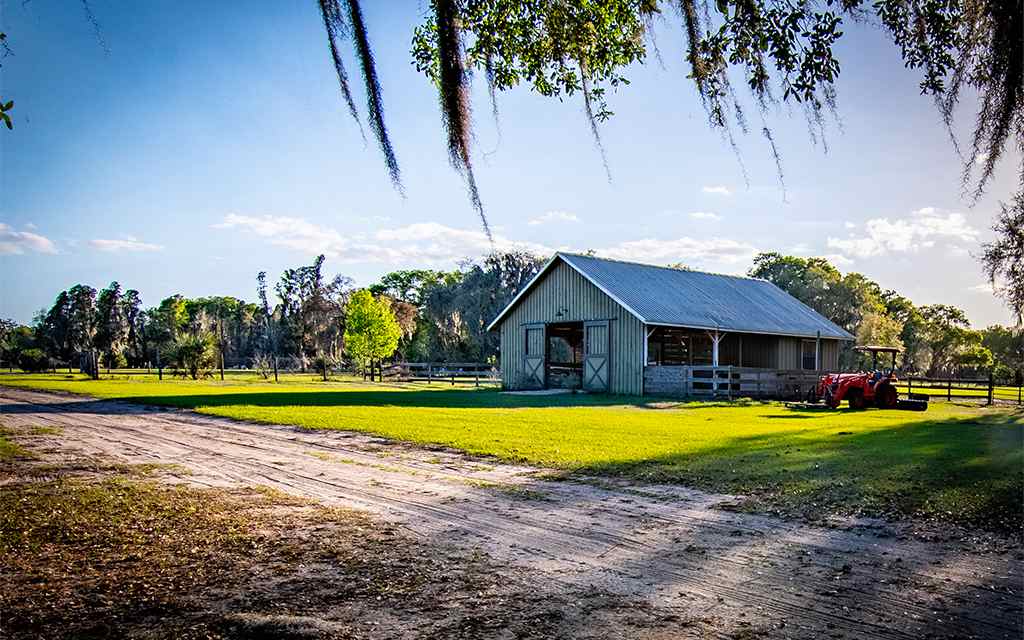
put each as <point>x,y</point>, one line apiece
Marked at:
<point>696,299</point>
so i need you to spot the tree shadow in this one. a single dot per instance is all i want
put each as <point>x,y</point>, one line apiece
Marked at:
<point>966,470</point>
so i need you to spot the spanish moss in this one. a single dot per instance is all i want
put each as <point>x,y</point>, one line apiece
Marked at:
<point>593,122</point>
<point>455,112</point>
<point>333,24</point>
<point>91,17</point>
<point>374,102</point>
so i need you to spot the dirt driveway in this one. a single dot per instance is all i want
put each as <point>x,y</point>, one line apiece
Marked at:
<point>678,549</point>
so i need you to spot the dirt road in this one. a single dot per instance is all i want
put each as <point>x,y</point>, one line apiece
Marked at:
<point>743,575</point>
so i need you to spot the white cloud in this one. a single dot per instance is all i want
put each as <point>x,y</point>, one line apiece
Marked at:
<point>18,242</point>
<point>554,216</point>
<point>127,243</point>
<point>720,190</point>
<point>422,243</point>
<point>924,229</point>
<point>849,225</point>
<point>981,158</point>
<point>705,215</point>
<point>685,249</point>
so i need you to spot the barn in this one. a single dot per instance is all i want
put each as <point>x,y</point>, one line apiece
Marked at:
<point>611,326</point>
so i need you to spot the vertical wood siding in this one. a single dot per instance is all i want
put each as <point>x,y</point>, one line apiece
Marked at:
<point>566,291</point>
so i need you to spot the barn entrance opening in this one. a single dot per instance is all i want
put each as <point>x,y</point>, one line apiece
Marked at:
<point>565,355</point>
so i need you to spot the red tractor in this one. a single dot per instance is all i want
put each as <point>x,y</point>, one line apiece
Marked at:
<point>876,388</point>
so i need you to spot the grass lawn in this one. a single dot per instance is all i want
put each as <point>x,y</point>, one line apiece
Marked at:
<point>952,463</point>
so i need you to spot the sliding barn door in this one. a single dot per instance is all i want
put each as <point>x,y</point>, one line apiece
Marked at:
<point>596,367</point>
<point>533,357</point>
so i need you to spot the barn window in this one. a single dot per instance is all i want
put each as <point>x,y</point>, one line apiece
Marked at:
<point>810,359</point>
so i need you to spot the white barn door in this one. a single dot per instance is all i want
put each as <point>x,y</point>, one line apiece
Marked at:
<point>596,368</point>
<point>533,357</point>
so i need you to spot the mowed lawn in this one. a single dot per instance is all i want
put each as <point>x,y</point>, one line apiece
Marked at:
<point>955,462</point>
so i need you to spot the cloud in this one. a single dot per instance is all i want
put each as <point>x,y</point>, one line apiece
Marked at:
<point>923,229</point>
<point>18,242</point>
<point>127,243</point>
<point>437,244</point>
<point>849,225</point>
<point>719,190</point>
<point>554,216</point>
<point>685,249</point>
<point>420,243</point>
<point>705,215</point>
<point>984,287</point>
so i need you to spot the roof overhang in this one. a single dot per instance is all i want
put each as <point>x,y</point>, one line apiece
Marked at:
<point>807,336</point>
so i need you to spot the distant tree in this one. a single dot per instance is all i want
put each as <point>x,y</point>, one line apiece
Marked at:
<point>410,285</point>
<point>192,355</point>
<point>371,332</point>
<point>82,316</point>
<point>55,328</point>
<point>458,314</point>
<point>1003,258</point>
<point>111,325</point>
<point>14,340</point>
<point>312,312</point>
<point>948,336</point>
<point>135,341</point>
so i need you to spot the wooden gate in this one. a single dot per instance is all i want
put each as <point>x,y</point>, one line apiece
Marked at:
<point>533,357</point>
<point>595,355</point>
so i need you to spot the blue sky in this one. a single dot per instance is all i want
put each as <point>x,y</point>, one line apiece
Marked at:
<point>206,143</point>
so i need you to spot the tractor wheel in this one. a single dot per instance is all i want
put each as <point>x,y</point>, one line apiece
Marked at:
<point>886,397</point>
<point>856,398</point>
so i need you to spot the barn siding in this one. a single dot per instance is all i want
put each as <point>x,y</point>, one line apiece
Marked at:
<point>564,289</point>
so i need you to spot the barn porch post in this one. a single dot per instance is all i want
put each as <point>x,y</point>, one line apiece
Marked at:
<point>716,338</point>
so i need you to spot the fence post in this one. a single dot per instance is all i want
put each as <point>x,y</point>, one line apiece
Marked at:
<point>275,368</point>
<point>478,377</point>
<point>991,386</point>
<point>949,388</point>
<point>430,369</point>
<point>1019,386</point>
<point>910,385</point>
<point>222,365</point>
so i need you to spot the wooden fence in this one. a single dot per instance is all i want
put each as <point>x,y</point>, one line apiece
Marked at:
<point>964,389</point>
<point>729,382</point>
<point>476,373</point>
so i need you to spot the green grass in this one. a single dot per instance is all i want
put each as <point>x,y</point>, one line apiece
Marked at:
<point>960,463</point>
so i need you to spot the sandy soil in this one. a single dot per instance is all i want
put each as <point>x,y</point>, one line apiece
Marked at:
<point>677,549</point>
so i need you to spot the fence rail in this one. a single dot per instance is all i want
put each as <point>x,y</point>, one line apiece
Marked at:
<point>963,389</point>
<point>729,382</point>
<point>476,373</point>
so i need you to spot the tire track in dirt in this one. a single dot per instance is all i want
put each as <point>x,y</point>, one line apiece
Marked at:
<point>665,544</point>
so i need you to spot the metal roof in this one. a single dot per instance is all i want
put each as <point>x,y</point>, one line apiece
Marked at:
<point>695,299</point>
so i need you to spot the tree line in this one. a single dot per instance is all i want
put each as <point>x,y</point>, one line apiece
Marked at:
<point>320,322</point>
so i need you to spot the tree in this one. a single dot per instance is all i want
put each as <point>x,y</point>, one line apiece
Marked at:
<point>193,355</point>
<point>783,52</point>
<point>111,325</point>
<point>877,329</point>
<point>82,325</point>
<point>948,336</point>
<point>312,312</point>
<point>1003,259</point>
<point>55,328</point>
<point>135,343</point>
<point>371,332</point>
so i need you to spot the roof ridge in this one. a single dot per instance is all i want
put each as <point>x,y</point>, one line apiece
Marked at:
<point>658,266</point>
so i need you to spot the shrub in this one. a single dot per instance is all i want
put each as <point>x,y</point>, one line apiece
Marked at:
<point>192,355</point>
<point>263,365</point>
<point>33,360</point>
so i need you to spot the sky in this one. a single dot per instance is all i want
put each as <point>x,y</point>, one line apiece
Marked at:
<point>187,146</point>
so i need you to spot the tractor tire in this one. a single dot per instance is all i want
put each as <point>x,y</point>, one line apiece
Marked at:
<point>886,397</point>
<point>856,399</point>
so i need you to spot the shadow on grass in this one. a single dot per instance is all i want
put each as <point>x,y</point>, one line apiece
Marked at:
<point>964,470</point>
